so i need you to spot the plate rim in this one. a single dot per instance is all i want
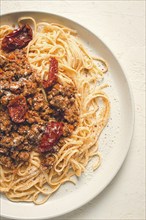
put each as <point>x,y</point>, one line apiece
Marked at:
<point>132,105</point>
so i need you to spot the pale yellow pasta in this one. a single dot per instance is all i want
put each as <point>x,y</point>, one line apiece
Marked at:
<point>78,68</point>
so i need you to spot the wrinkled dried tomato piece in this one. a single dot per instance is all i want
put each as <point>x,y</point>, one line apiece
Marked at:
<point>52,76</point>
<point>17,108</point>
<point>17,39</point>
<point>53,132</point>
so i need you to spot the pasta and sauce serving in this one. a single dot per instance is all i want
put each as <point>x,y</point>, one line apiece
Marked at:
<point>53,109</point>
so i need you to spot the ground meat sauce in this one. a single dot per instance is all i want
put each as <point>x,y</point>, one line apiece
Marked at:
<point>29,121</point>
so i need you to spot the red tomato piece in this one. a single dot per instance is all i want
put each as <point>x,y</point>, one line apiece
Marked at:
<point>53,132</point>
<point>52,76</point>
<point>17,39</point>
<point>17,108</point>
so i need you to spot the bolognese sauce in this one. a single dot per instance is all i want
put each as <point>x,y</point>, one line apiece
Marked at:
<point>29,120</point>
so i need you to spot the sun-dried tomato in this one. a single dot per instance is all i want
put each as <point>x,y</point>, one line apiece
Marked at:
<point>51,136</point>
<point>17,108</point>
<point>52,76</point>
<point>17,39</point>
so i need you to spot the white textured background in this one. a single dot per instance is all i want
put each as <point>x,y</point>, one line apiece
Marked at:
<point>121,25</point>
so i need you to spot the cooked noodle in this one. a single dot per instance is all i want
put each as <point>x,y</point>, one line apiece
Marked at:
<point>76,67</point>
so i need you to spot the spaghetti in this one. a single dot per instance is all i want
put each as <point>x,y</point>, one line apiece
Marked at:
<point>31,183</point>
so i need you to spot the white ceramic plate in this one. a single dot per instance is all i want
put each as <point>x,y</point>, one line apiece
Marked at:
<point>114,141</point>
